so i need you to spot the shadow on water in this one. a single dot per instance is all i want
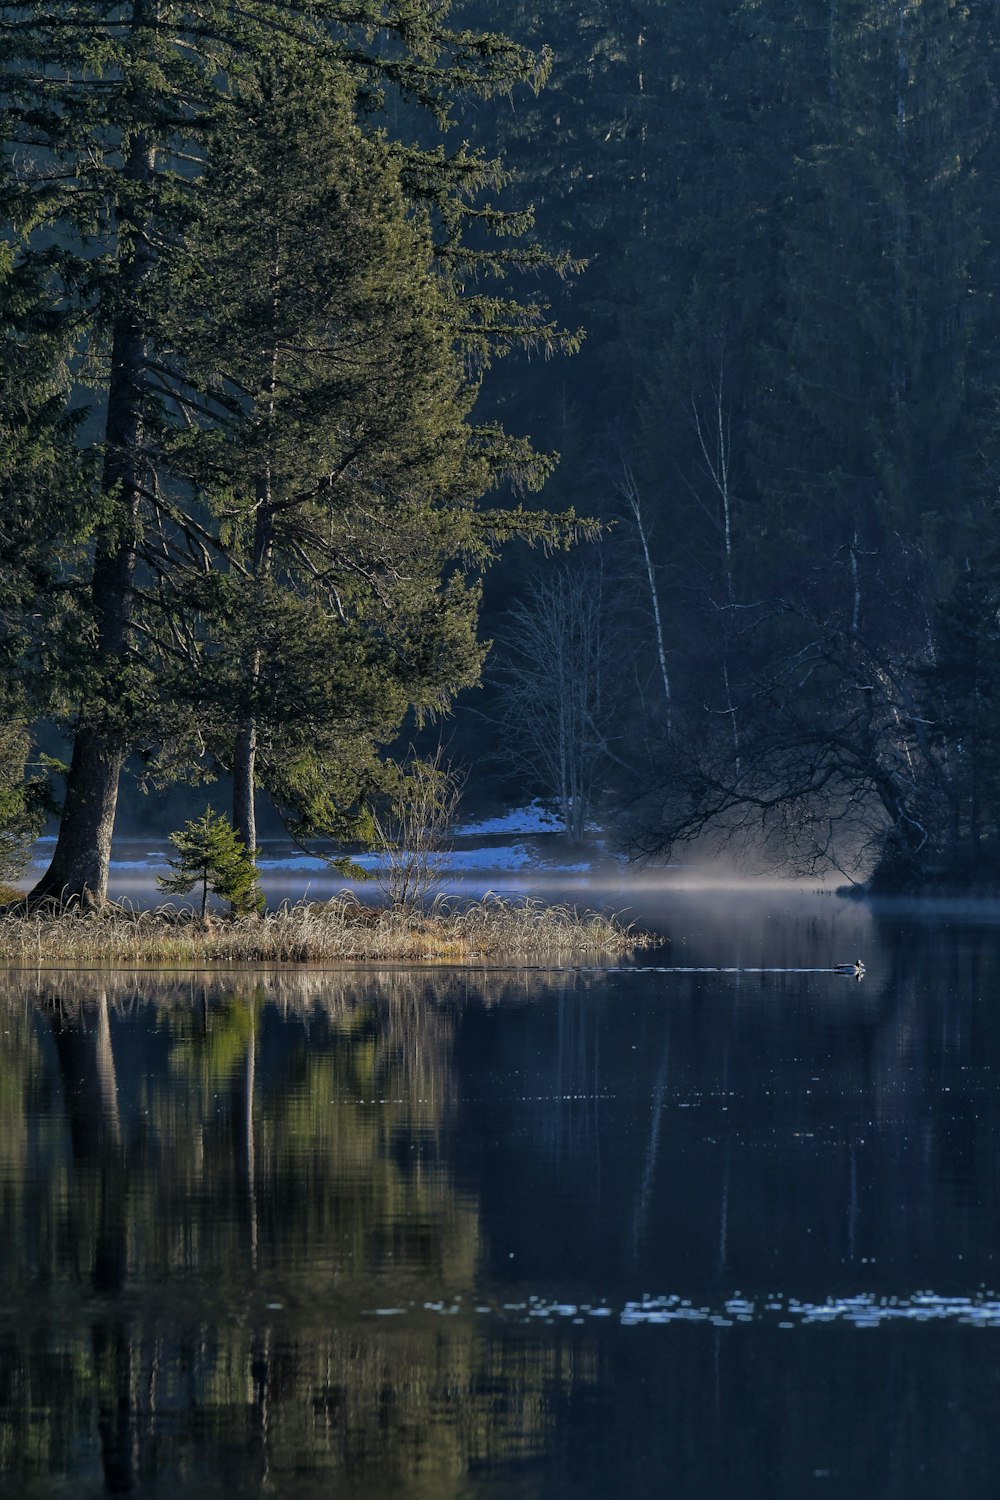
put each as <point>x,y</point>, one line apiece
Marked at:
<point>447,1233</point>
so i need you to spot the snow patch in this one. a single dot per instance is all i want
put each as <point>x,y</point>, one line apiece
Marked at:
<point>534,818</point>
<point>507,857</point>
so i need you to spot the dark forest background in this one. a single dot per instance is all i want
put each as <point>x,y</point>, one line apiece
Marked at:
<point>778,228</point>
<point>786,411</point>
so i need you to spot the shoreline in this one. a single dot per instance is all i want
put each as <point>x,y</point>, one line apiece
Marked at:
<point>342,931</point>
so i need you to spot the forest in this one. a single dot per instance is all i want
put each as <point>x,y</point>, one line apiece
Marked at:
<point>634,362</point>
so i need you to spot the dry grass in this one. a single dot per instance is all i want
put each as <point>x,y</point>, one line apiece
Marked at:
<point>342,930</point>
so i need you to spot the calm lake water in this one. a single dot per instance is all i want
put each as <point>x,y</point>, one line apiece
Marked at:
<point>529,1233</point>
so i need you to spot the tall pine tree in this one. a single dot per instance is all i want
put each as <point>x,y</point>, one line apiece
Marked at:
<point>108,114</point>
<point>318,359</point>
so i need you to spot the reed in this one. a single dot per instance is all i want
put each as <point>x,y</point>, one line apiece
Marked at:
<point>338,931</point>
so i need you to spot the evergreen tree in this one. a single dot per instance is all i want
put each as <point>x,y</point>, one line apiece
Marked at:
<point>882,301</point>
<point>107,117</point>
<point>45,487</point>
<point>23,802</point>
<point>209,853</point>
<point>318,349</point>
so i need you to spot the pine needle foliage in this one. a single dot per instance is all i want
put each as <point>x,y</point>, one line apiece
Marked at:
<point>119,122</point>
<point>209,853</point>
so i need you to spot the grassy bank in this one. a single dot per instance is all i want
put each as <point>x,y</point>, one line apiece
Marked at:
<point>343,930</point>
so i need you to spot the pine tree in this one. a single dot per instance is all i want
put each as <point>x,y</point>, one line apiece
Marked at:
<point>45,487</point>
<point>108,115</point>
<point>209,852</point>
<point>881,307</point>
<point>318,348</point>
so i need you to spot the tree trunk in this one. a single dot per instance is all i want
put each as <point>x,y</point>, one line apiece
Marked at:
<point>79,868</point>
<point>630,491</point>
<point>245,742</point>
<point>244,764</point>
<point>80,860</point>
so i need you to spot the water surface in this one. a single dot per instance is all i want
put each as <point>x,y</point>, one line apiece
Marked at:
<point>529,1233</point>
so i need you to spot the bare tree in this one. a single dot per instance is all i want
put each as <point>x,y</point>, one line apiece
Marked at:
<point>712,425</point>
<point>556,687</point>
<point>838,765</point>
<point>694,621</point>
<point>413,829</point>
<point>631,497</point>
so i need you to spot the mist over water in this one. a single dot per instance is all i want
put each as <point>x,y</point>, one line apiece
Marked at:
<point>539,870</point>
<point>458,1233</point>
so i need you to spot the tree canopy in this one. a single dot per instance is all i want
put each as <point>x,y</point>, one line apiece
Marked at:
<point>275,311</point>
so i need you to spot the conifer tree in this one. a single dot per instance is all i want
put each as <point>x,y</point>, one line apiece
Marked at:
<point>318,356</point>
<point>209,853</point>
<point>45,487</point>
<point>108,115</point>
<point>882,301</point>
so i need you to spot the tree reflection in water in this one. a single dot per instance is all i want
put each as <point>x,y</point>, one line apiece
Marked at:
<point>210,1187</point>
<point>216,1191</point>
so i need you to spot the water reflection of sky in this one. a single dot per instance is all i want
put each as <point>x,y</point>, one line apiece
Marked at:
<point>466,1234</point>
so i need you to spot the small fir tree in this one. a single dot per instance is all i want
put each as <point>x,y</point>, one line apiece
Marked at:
<point>209,851</point>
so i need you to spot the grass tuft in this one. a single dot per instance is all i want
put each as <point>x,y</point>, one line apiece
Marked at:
<point>341,930</point>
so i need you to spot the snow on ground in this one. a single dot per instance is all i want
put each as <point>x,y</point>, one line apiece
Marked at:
<point>503,857</point>
<point>507,857</point>
<point>534,818</point>
<point>457,861</point>
<point>511,856</point>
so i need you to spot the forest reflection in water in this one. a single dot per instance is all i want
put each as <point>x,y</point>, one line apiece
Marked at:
<point>209,1191</point>
<point>531,1233</point>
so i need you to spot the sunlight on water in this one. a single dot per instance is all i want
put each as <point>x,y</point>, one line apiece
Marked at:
<point>865,1310</point>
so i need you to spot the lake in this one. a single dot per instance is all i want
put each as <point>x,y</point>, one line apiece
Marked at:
<point>536,1233</point>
